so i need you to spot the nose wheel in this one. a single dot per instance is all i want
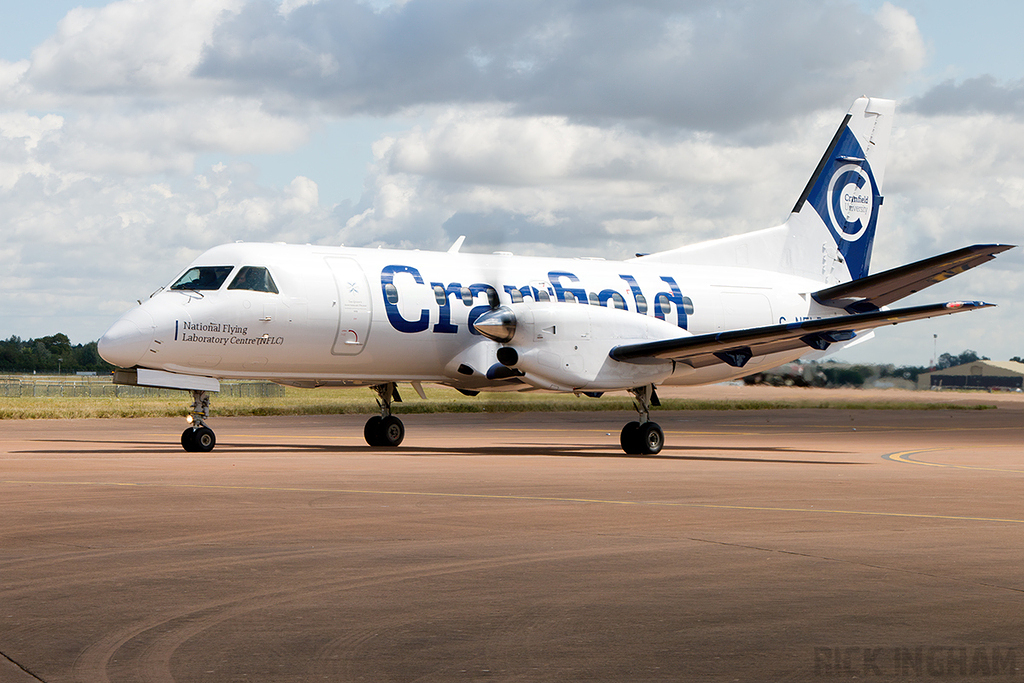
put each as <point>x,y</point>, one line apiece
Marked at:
<point>198,438</point>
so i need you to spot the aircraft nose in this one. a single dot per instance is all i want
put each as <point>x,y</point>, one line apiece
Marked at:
<point>128,339</point>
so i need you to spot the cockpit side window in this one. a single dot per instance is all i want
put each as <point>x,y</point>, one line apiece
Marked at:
<point>203,278</point>
<point>254,278</point>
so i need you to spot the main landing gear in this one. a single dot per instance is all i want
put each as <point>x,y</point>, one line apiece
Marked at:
<point>643,437</point>
<point>385,430</point>
<point>198,438</point>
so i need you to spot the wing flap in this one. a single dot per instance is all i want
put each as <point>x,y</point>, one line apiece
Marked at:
<point>736,347</point>
<point>874,291</point>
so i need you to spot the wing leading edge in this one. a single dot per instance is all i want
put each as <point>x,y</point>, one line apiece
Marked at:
<point>736,347</point>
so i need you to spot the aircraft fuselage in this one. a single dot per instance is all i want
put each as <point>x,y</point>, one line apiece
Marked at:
<point>363,316</point>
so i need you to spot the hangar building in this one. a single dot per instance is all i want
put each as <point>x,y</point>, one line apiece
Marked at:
<point>981,374</point>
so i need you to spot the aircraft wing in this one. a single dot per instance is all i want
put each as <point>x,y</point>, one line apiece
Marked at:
<point>874,291</point>
<point>736,347</point>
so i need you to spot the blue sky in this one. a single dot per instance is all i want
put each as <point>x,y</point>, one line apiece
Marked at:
<point>968,39</point>
<point>26,24</point>
<point>134,135</point>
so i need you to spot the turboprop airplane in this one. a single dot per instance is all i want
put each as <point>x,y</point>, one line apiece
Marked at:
<point>311,316</point>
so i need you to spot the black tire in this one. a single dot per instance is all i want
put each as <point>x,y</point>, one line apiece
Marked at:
<point>629,439</point>
<point>372,431</point>
<point>204,440</point>
<point>392,431</point>
<point>650,438</point>
<point>188,440</point>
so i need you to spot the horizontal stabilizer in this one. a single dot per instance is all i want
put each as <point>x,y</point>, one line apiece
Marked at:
<point>736,347</point>
<point>874,291</point>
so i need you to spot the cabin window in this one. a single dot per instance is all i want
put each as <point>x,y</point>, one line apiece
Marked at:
<point>439,296</point>
<point>203,278</point>
<point>254,279</point>
<point>662,305</point>
<point>517,295</point>
<point>391,292</point>
<point>595,300</point>
<point>618,301</point>
<point>492,297</point>
<point>467,296</point>
<point>641,304</point>
<point>542,295</point>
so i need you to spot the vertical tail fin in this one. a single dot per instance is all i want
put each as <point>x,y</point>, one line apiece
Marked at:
<point>832,228</point>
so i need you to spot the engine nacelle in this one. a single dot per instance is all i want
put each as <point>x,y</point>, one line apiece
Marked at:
<point>564,347</point>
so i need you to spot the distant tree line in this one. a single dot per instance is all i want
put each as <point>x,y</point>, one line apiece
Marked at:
<point>48,355</point>
<point>836,375</point>
<point>948,360</point>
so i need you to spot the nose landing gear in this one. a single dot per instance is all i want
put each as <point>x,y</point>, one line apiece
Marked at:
<point>198,438</point>
<point>385,430</point>
<point>643,437</point>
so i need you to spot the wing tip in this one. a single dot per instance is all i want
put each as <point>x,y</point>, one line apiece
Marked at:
<point>969,304</point>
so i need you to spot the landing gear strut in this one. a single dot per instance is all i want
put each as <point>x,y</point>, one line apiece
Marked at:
<point>385,430</point>
<point>198,438</point>
<point>643,437</point>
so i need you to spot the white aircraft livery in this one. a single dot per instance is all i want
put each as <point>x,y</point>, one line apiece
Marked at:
<point>311,316</point>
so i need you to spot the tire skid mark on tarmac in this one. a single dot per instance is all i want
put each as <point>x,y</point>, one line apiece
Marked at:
<point>868,565</point>
<point>82,554</point>
<point>336,658</point>
<point>530,626</point>
<point>165,637</point>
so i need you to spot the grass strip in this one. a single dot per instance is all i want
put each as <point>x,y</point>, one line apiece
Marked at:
<point>329,401</point>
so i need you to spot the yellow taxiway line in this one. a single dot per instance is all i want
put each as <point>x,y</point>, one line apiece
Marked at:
<point>545,499</point>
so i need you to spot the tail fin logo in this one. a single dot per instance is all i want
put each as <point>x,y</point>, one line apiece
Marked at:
<point>851,202</point>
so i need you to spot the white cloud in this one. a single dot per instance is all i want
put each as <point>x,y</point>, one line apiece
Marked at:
<point>303,196</point>
<point>957,178</point>
<point>121,78</point>
<point>20,134</point>
<point>549,171</point>
<point>747,63</point>
<point>288,6</point>
<point>167,139</point>
<point>129,45</point>
<point>899,29</point>
<point>31,129</point>
<point>11,75</point>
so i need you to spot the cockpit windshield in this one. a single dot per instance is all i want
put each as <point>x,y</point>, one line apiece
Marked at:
<point>254,278</point>
<point>203,278</point>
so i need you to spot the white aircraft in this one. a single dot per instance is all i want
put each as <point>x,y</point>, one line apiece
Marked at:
<point>310,316</point>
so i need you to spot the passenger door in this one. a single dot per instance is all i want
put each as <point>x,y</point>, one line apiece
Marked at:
<point>354,306</point>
